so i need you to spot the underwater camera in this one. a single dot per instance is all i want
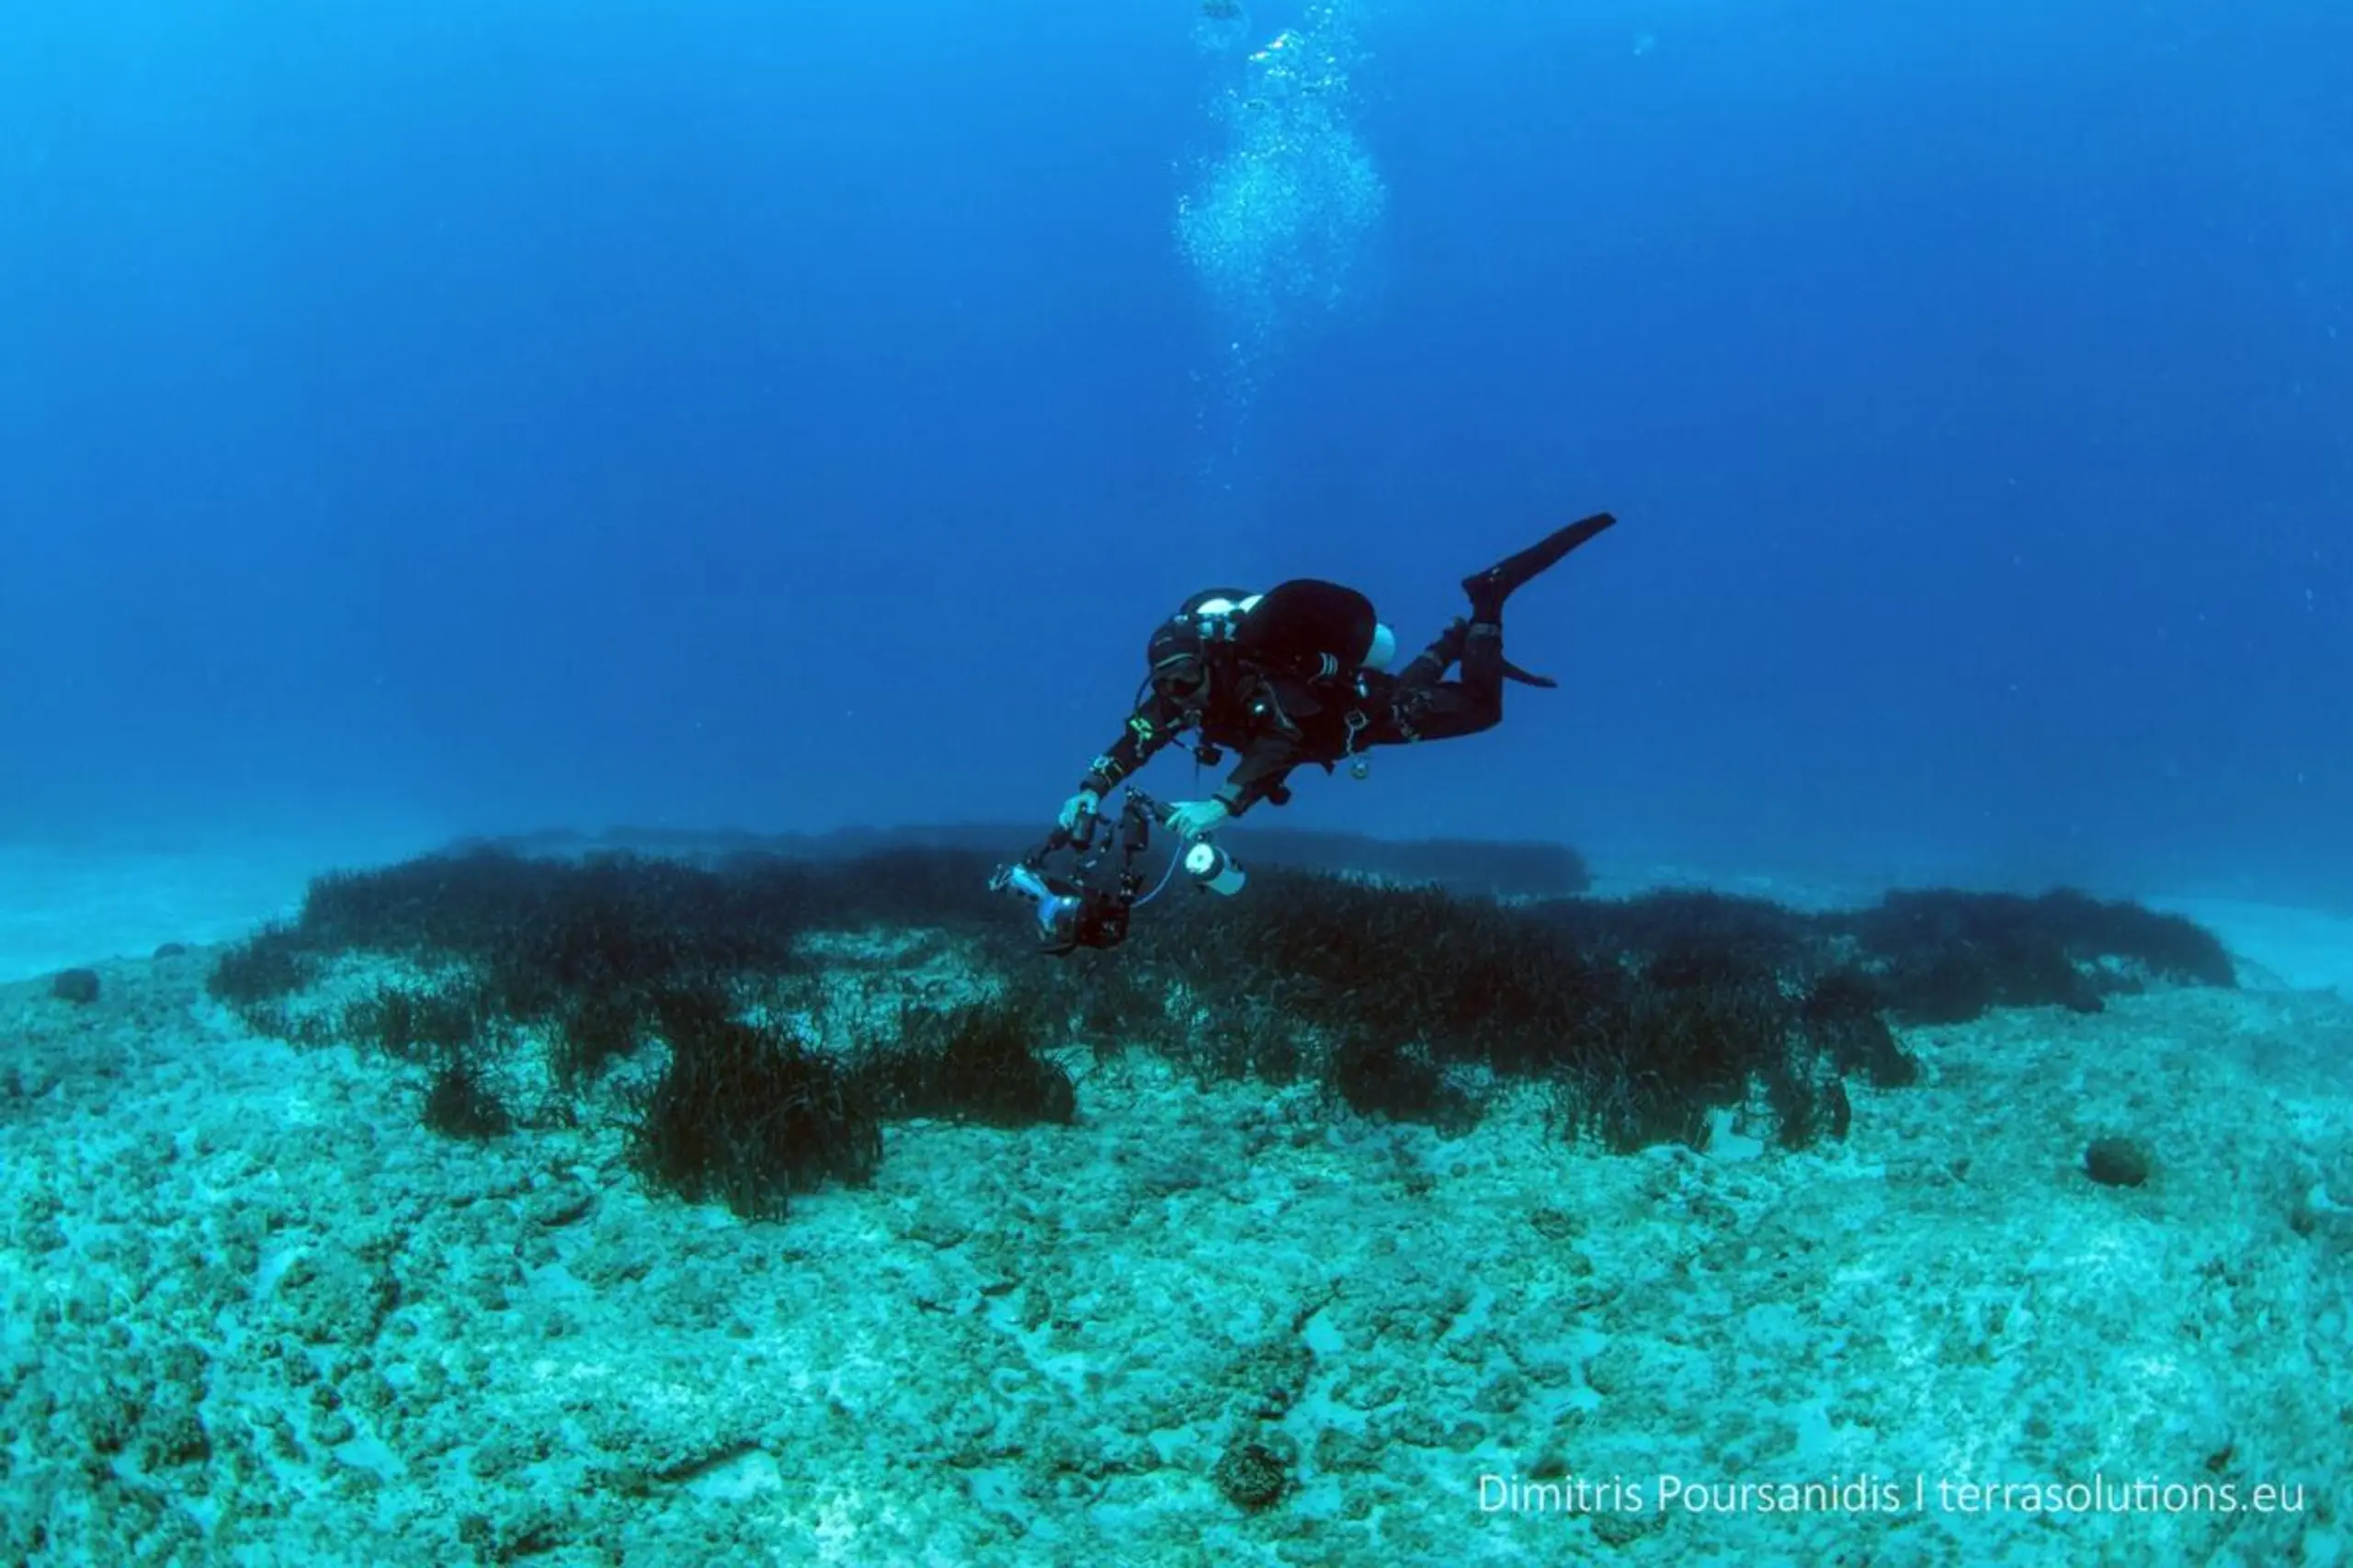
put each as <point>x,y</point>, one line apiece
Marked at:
<point>1078,910</point>
<point>1069,916</point>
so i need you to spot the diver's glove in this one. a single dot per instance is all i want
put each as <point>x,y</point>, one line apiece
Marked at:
<point>1196,818</point>
<point>1080,808</point>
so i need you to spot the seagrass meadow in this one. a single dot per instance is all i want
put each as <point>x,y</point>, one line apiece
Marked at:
<point>619,1207</point>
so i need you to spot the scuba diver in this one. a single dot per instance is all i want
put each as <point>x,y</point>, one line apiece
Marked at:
<point>1298,676</point>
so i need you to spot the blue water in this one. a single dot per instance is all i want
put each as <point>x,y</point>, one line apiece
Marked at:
<point>493,416</point>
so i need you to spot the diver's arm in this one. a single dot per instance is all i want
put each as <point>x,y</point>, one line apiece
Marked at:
<point>1259,775</point>
<point>1150,727</point>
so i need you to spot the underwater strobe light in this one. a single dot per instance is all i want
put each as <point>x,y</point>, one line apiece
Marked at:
<point>1213,870</point>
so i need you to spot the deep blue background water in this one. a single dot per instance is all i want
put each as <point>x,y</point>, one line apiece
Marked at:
<point>491,416</point>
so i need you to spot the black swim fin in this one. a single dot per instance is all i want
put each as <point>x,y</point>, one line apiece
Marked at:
<point>1489,589</point>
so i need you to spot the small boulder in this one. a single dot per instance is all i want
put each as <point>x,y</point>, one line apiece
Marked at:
<point>1252,1475</point>
<point>79,986</point>
<point>2117,1161</point>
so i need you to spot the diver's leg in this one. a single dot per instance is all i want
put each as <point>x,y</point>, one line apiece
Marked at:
<point>1489,589</point>
<point>1429,667</point>
<point>1427,708</point>
<point>1481,689</point>
<point>1442,712</point>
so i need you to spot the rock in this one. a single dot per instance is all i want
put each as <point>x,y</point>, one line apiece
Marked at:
<point>2116,1162</point>
<point>1250,1475</point>
<point>79,986</point>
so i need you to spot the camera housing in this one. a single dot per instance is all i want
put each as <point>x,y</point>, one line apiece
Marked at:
<point>1076,911</point>
<point>1069,915</point>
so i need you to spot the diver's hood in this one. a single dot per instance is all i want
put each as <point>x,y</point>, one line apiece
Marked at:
<point>1209,617</point>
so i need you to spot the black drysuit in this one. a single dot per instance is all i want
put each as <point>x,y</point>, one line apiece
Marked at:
<point>1277,723</point>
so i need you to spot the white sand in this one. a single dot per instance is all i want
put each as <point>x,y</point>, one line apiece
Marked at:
<point>2301,950</point>
<point>66,905</point>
